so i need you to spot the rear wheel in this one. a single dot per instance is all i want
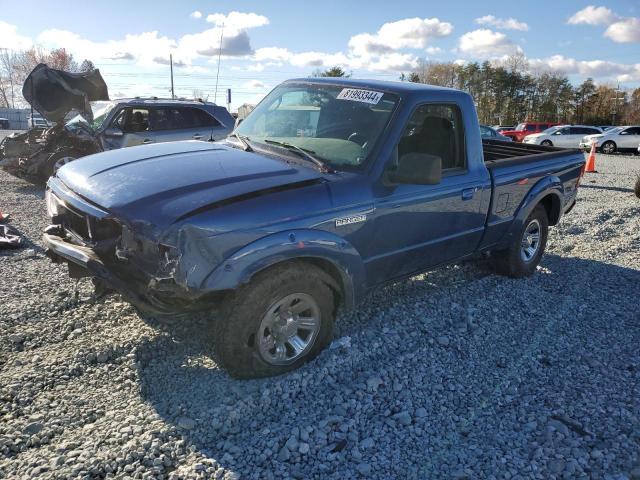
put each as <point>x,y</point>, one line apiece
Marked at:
<point>546,143</point>
<point>522,258</point>
<point>280,320</point>
<point>608,147</point>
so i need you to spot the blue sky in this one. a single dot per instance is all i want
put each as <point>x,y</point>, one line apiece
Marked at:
<point>267,42</point>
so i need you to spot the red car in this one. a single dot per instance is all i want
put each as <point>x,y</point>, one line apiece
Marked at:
<point>527,128</point>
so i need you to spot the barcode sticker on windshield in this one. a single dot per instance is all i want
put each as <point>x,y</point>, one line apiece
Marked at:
<point>356,95</point>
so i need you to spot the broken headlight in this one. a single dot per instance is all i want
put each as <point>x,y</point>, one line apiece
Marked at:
<point>54,205</point>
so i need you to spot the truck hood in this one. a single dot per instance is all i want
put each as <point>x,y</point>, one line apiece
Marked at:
<point>54,93</point>
<point>168,182</point>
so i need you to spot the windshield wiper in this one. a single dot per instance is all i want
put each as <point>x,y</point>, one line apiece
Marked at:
<point>244,141</point>
<point>303,152</point>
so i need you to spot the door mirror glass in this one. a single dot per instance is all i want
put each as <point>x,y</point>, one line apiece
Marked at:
<point>417,169</point>
<point>113,132</point>
<point>624,133</point>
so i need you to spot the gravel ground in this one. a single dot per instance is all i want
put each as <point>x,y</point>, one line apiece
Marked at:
<point>458,373</point>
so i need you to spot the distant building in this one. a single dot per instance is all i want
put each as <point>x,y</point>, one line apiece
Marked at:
<point>17,117</point>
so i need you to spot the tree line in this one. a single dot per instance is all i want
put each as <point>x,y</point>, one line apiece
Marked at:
<point>507,93</point>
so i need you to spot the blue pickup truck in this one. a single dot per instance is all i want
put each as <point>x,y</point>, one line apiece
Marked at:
<point>329,188</point>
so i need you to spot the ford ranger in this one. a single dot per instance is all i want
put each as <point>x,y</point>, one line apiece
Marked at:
<point>328,189</point>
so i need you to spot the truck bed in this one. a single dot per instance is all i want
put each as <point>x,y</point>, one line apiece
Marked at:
<point>499,153</point>
<point>515,170</point>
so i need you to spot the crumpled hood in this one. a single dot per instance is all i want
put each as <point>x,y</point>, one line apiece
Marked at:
<point>54,93</point>
<point>162,183</point>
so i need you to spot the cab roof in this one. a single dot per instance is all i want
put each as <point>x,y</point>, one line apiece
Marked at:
<point>393,86</point>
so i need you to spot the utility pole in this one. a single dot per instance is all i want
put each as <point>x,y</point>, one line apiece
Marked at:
<point>215,95</point>
<point>615,104</point>
<point>173,96</point>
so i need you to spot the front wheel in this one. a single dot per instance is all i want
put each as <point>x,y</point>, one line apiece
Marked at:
<point>522,258</point>
<point>58,160</point>
<point>546,143</point>
<point>283,318</point>
<point>608,147</point>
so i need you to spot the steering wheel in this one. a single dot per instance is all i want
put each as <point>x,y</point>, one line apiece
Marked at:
<point>358,138</point>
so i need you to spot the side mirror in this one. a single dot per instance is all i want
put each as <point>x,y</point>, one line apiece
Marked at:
<point>113,132</point>
<point>558,132</point>
<point>623,133</point>
<point>417,169</point>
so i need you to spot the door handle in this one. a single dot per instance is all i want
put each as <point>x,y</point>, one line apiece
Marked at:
<point>197,136</point>
<point>467,193</point>
<point>147,140</point>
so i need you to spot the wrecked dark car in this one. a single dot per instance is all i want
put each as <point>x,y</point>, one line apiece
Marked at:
<point>329,188</point>
<point>100,124</point>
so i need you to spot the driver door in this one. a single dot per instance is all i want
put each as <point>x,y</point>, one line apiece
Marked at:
<point>629,138</point>
<point>420,226</point>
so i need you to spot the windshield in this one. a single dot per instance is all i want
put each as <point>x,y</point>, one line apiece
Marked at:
<point>520,127</point>
<point>338,125</point>
<point>100,112</point>
<point>550,130</point>
<point>614,130</point>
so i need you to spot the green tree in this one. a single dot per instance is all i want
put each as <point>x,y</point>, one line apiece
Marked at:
<point>331,72</point>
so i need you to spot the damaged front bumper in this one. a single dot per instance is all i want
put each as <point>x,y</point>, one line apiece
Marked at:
<point>154,295</point>
<point>94,245</point>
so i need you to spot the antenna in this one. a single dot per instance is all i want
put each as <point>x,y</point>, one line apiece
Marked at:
<point>215,95</point>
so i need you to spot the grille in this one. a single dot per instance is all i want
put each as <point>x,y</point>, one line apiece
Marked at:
<point>87,227</point>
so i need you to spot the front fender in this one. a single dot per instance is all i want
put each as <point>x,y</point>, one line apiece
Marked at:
<point>551,185</point>
<point>293,244</point>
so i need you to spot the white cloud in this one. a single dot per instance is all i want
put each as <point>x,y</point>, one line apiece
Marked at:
<point>592,15</point>
<point>433,50</point>
<point>619,29</point>
<point>9,37</point>
<point>254,84</point>
<point>196,14</point>
<point>502,23</point>
<point>406,33</point>
<point>588,68</point>
<point>238,20</point>
<point>272,53</point>
<point>486,43</point>
<point>624,31</point>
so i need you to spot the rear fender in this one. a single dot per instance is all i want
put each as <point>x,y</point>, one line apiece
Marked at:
<point>551,185</point>
<point>240,267</point>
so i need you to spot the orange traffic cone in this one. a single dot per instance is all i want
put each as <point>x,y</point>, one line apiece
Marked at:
<point>591,160</point>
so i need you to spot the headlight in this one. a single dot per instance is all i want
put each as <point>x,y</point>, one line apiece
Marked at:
<point>53,203</point>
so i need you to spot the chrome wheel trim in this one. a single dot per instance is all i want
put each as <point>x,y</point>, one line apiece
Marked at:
<point>61,162</point>
<point>289,329</point>
<point>530,243</point>
<point>608,148</point>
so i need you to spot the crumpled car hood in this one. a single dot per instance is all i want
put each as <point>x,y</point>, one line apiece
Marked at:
<point>54,93</point>
<point>163,183</point>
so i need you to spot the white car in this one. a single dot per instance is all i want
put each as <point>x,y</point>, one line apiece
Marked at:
<point>567,136</point>
<point>615,139</point>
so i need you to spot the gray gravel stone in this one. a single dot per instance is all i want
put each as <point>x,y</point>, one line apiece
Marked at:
<point>537,382</point>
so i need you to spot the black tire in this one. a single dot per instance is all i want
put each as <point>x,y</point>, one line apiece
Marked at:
<point>608,145</point>
<point>510,262</point>
<point>637,187</point>
<point>547,143</point>
<point>236,329</point>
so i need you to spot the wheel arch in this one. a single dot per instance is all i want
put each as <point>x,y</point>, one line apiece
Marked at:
<point>338,259</point>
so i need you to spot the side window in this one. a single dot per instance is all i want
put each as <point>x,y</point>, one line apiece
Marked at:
<point>119,120</point>
<point>136,120</point>
<point>633,131</point>
<point>160,119</point>
<point>436,129</point>
<point>204,119</point>
<point>576,131</point>
<point>486,132</point>
<point>590,131</point>
<point>530,128</point>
